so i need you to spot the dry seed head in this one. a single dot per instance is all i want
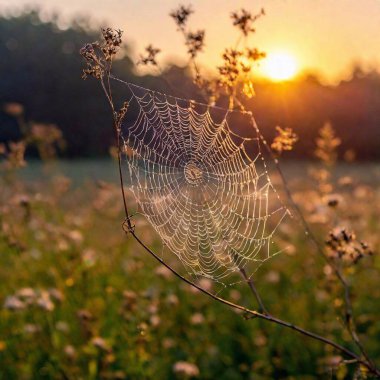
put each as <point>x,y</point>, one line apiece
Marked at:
<point>181,15</point>
<point>244,20</point>
<point>343,245</point>
<point>195,42</point>
<point>150,57</point>
<point>284,141</point>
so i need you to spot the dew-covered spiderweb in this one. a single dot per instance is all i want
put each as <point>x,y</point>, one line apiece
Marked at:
<point>199,176</point>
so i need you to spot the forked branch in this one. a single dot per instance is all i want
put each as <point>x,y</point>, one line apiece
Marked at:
<point>100,67</point>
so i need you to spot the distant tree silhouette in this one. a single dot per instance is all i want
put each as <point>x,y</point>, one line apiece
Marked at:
<point>40,68</point>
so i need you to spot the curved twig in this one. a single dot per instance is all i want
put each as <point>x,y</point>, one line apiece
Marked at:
<point>129,229</point>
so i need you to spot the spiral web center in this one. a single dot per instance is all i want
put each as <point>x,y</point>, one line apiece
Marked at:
<point>193,174</point>
<point>204,188</point>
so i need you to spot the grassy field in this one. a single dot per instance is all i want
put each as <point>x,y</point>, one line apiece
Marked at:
<point>80,300</point>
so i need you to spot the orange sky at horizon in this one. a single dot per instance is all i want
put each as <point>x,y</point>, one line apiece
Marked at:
<point>323,36</point>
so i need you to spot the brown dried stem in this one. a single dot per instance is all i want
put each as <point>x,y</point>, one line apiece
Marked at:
<point>129,228</point>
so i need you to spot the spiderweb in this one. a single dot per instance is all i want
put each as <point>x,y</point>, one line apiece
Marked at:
<point>203,186</point>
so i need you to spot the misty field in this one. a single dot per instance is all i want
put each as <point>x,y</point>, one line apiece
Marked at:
<point>80,300</point>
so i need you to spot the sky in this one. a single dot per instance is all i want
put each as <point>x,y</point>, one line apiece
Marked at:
<point>324,36</point>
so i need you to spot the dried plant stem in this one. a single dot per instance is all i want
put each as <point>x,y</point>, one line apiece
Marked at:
<point>254,291</point>
<point>129,229</point>
<point>349,321</point>
<point>255,314</point>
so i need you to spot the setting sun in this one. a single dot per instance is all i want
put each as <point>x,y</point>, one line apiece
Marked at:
<point>280,66</point>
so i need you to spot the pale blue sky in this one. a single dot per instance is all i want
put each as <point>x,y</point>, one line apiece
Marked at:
<point>325,35</point>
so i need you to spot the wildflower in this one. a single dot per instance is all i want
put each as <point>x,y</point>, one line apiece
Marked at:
<point>3,345</point>
<point>70,351</point>
<point>235,295</point>
<point>345,181</point>
<point>76,236</point>
<point>197,319</point>
<point>85,316</point>
<point>327,144</point>
<point>15,158</point>
<point>185,369</point>
<point>130,296</point>
<point>89,257</point>
<point>14,303</point>
<point>56,294</point>
<point>206,284</point>
<point>155,320</point>
<point>13,109</point>
<point>100,343</point>
<point>153,308</point>
<point>168,343</point>
<point>273,277</point>
<point>31,328</point>
<point>172,299</point>
<point>46,137</point>
<point>130,300</point>
<point>45,302</point>
<point>163,271</point>
<point>26,293</point>
<point>334,361</point>
<point>284,141</point>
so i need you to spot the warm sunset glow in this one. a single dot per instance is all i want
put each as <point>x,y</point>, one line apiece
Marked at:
<point>280,66</point>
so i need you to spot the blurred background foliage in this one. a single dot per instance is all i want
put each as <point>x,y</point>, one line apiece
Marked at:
<point>41,70</point>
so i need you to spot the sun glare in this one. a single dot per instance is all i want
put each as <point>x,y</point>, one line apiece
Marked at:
<point>280,66</point>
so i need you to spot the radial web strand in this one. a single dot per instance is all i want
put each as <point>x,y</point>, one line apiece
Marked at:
<point>199,176</point>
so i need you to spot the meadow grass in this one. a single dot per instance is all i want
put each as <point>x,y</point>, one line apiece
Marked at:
<point>79,300</point>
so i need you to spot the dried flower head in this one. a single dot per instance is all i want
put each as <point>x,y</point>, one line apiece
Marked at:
<point>45,302</point>
<point>112,42</point>
<point>230,69</point>
<point>100,343</point>
<point>244,20</point>
<point>284,141</point>
<point>187,369</point>
<point>93,62</point>
<point>13,303</point>
<point>344,245</point>
<point>195,42</point>
<point>181,15</point>
<point>15,155</point>
<point>150,56</point>
<point>254,54</point>
<point>99,55</point>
